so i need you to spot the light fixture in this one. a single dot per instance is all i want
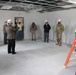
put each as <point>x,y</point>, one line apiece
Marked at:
<point>72,1</point>
<point>6,7</point>
<point>68,6</point>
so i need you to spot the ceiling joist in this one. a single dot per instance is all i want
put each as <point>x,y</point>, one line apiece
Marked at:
<point>41,5</point>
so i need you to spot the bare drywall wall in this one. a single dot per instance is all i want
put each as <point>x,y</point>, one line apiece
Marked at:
<point>67,17</point>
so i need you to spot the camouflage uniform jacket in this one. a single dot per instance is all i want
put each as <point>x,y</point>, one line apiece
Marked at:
<point>59,28</point>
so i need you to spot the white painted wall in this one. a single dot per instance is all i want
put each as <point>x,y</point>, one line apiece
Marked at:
<point>68,20</point>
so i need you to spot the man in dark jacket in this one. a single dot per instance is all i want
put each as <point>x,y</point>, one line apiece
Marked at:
<point>46,27</point>
<point>11,33</point>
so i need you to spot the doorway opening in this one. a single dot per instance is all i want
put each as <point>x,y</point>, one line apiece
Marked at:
<point>19,25</point>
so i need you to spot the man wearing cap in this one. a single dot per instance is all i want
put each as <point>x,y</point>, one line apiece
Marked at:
<point>11,33</point>
<point>4,31</point>
<point>46,27</point>
<point>59,31</point>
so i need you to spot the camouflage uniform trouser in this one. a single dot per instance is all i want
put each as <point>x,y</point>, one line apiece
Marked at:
<point>59,39</point>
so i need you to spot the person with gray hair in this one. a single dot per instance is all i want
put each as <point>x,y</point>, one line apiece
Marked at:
<point>11,34</point>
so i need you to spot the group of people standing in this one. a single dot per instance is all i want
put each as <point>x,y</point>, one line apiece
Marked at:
<point>10,33</point>
<point>47,27</point>
<point>33,29</point>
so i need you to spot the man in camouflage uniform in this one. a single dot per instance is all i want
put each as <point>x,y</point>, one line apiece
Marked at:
<point>59,31</point>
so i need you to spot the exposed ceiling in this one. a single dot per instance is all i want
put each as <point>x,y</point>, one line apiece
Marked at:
<point>36,5</point>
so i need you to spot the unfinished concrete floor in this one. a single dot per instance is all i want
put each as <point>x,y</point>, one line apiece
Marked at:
<point>37,58</point>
